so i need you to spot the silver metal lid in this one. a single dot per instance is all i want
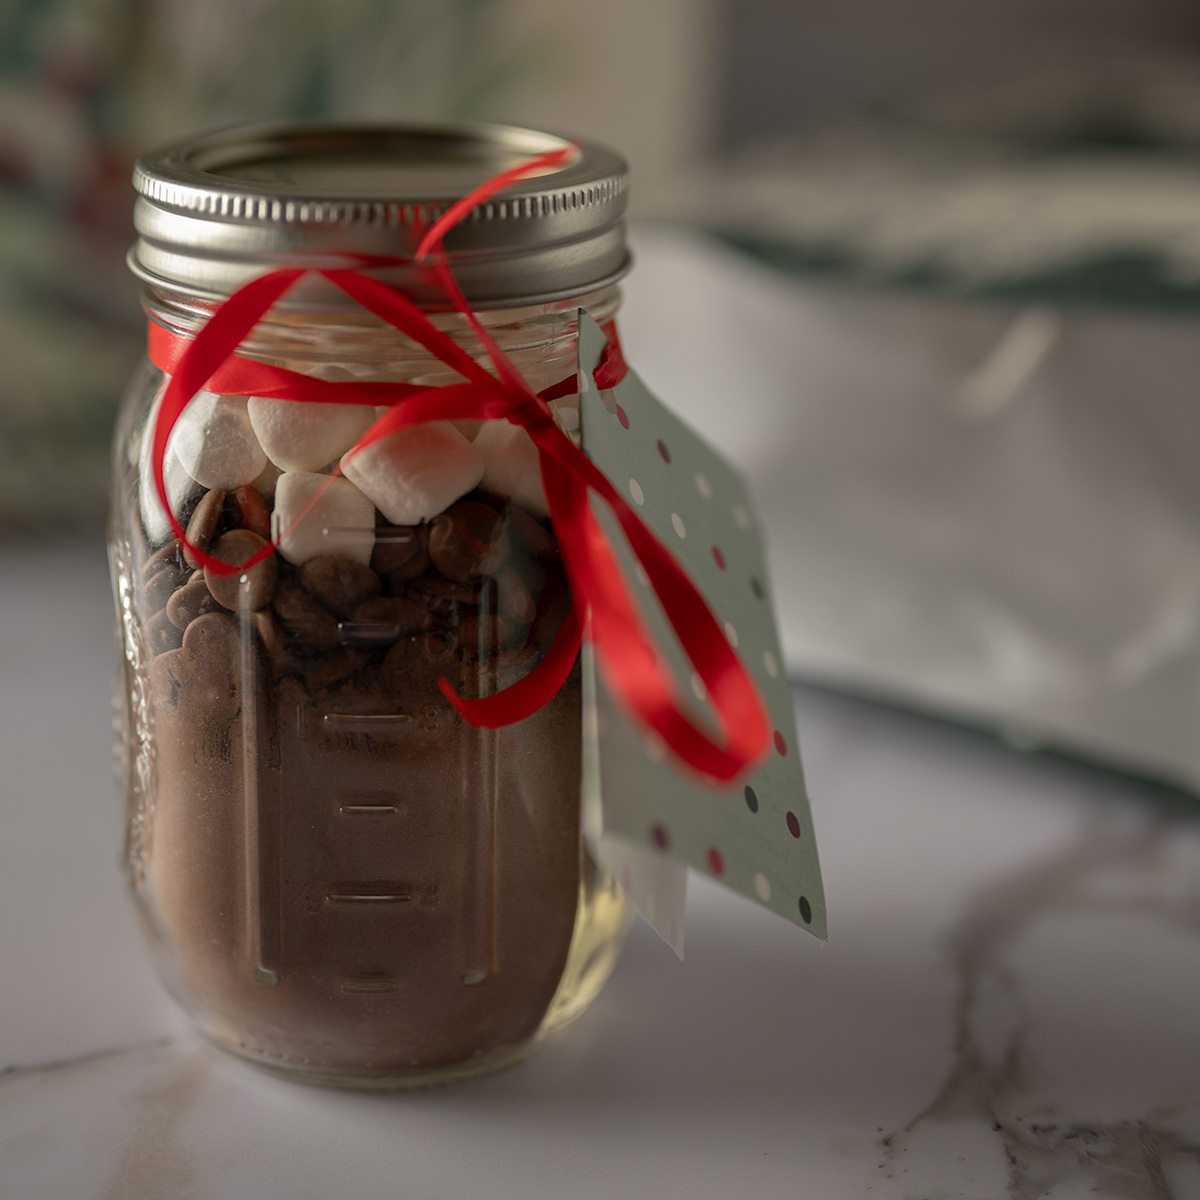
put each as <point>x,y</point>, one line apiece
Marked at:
<point>214,211</point>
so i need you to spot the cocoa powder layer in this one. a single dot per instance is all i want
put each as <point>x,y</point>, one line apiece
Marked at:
<point>348,877</point>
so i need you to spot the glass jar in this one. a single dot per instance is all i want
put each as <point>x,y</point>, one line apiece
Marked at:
<point>338,877</point>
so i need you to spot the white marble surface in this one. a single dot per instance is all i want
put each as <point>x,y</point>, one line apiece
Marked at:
<point>1009,1005</point>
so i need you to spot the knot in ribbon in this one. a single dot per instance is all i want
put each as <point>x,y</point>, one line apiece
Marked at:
<point>601,600</point>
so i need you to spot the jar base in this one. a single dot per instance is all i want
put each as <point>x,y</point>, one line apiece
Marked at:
<point>485,1064</point>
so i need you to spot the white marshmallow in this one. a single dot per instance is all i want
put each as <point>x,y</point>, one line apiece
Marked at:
<point>267,480</point>
<point>566,412</point>
<point>180,485</point>
<point>416,473</point>
<point>511,467</point>
<point>307,437</point>
<point>180,488</point>
<point>216,443</point>
<point>341,521</point>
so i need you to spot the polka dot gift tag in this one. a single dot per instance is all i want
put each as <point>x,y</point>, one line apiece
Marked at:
<point>644,814</point>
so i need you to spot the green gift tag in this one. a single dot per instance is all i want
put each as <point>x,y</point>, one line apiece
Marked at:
<point>644,813</point>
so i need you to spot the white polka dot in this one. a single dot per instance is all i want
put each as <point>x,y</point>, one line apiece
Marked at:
<point>677,525</point>
<point>635,490</point>
<point>585,382</point>
<point>762,885</point>
<point>698,687</point>
<point>703,486</point>
<point>741,516</point>
<point>731,634</point>
<point>639,573</point>
<point>771,664</point>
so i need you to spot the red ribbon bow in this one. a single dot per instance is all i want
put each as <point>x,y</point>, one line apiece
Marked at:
<point>602,602</point>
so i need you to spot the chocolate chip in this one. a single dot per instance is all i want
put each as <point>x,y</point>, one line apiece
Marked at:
<point>519,657</point>
<point>514,599</point>
<point>435,587</point>
<point>203,524</point>
<point>552,608</point>
<point>251,589</point>
<point>164,555</point>
<point>385,620</point>
<point>303,619</point>
<point>438,646</point>
<point>412,668</point>
<point>162,635</point>
<point>162,583</point>
<point>486,634</point>
<point>248,510</point>
<point>531,535</point>
<point>210,665</point>
<point>191,601</point>
<point>332,667</point>
<point>340,584</point>
<point>273,640</point>
<point>395,545</point>
<point>468,541</point>
<point>415,567</point>
<point>212,638</point>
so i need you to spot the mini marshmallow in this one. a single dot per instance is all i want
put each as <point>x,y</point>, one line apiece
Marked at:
<point>181,487</point>
<point>416,473</point>
<point>341,520</point>
<point>566,412</point>
<point>511,467</point>
<point>307,437</point>
<point>216,443</point>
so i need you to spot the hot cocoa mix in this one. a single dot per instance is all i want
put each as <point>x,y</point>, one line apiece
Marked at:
<point>348,876</point>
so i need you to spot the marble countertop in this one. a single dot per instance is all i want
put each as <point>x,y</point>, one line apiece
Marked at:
<point>1007,1006</point>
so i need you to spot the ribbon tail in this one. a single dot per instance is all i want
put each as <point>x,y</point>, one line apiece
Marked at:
<point>631,666</point>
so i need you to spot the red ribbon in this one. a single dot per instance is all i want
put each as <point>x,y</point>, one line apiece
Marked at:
<point>632,667</point>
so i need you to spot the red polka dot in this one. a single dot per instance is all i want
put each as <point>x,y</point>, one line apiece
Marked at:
<point>780,744</point>
<point>718,557</point>
<point>662,449</point>
<point>623,417</point>
<point>793,825</point>
<point>659,836</point>
<point>716,864</point>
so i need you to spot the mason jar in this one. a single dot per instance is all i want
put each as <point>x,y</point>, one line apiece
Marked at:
<point>338,877</point>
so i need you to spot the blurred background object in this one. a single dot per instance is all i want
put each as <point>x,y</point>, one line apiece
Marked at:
<point>87,85</point>
<point>976,356</point>
<point>793,63</point>
<point>930,270</point>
